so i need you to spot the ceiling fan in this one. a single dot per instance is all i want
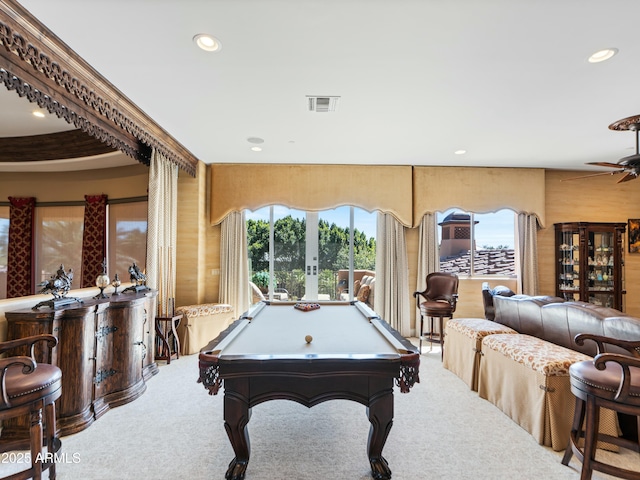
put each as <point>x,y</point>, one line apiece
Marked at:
<point>630,165</point>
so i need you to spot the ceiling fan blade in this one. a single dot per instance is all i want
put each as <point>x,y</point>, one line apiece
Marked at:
<point>605,164</point>
<point>628,176</point>
<point>591,175</point>
<point>630,160</point>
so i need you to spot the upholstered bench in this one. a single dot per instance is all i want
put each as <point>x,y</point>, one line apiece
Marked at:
<point>202,323</point>
<point>528,379</point>
<point>464,345</point>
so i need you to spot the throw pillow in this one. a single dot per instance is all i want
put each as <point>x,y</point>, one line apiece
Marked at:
<point>363,293</point>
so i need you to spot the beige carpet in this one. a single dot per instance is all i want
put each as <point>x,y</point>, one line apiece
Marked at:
<point>441,430</point>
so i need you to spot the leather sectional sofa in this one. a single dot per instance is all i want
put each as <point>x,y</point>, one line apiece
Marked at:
<point>553,320</point>
<point>556,321</point>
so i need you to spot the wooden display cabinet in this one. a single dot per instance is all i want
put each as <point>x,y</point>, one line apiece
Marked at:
<point>590,263</point>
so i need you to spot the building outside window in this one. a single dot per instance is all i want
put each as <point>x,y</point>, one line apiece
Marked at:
<point>477,244</point>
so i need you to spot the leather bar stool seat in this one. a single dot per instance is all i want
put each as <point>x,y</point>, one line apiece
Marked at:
<point>30,389</point>
<point>42,384</point>
<point>609,381</point>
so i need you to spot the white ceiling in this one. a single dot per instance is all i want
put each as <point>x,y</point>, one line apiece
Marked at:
<point>506,80</point>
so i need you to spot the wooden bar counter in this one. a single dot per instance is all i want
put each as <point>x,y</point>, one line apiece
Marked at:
<point>105,351</point>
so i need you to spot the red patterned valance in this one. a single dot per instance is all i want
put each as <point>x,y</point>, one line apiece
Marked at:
<point>20,257</point>
<point>94,238</point>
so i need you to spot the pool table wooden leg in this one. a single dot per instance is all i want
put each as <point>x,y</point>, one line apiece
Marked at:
<point>380,414</point>
<point>236,417</point>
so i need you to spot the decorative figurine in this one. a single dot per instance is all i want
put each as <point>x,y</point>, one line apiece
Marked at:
<point>138,279</point>
<point>103,280</point>
<point>116,283</point>
<point>58,285</point>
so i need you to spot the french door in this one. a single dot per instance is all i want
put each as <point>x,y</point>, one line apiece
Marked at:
<point>297,255</point>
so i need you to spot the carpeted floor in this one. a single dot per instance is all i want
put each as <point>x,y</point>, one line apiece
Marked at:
<point>441,430</point>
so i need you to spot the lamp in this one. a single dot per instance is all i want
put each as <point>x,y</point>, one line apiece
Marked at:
<point>102,280</point>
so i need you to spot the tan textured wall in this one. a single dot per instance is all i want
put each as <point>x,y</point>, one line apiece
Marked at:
<point>120,182</point>
<point>191,237</point>
<point>594,199</point>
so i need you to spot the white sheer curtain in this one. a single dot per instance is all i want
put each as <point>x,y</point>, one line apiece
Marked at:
<point>428,255</point>
<point>392,274</point>
<point>234,265</point>
<point>161,231</point>
<point>527,253</point>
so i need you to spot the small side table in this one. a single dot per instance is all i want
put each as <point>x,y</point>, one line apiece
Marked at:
<point>165,328</point>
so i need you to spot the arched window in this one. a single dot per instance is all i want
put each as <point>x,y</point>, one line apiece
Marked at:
<point>477,244</point>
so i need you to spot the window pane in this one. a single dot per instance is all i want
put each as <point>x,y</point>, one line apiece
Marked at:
<point>58,241</point>
<point>495,243</point>
<point>364,228</point>
<point>290,250</point>
<point>334,249</point>
<point>4,247</point>
<point>127,238</point>
<point>289,238</point>
<point>491,236</point>
<point>454,233</point>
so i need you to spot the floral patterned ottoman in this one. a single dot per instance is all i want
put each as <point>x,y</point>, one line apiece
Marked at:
<point>528,379</point>
<point>464,345</point>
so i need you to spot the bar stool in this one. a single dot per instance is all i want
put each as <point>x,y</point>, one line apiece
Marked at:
<point>441,296</point>
<point>610,381</point>
<point>30,388</point>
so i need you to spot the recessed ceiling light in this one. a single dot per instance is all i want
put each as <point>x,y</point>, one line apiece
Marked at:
<point>38,113</point>
<point>256,149</point>
<point>256,140</point>
<point>207,42</point>
<point>460,152</point>
<point>602,55</point>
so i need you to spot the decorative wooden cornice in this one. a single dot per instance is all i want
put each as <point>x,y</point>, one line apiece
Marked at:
<point>39,66</point>
<point>51,146</point>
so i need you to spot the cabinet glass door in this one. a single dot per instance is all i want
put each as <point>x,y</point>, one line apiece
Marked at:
<point>600,265</point>
<point>569,269</point>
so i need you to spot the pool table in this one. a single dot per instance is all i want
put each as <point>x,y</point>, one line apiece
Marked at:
<point>339,350</point>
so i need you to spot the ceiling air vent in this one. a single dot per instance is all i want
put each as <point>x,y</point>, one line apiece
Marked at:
<point>322,104</point>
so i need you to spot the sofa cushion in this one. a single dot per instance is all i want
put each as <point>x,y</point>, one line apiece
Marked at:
<point>564,321</point>
<point>477,328</point>
<point>522,312</point>
<point>487,298</point>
